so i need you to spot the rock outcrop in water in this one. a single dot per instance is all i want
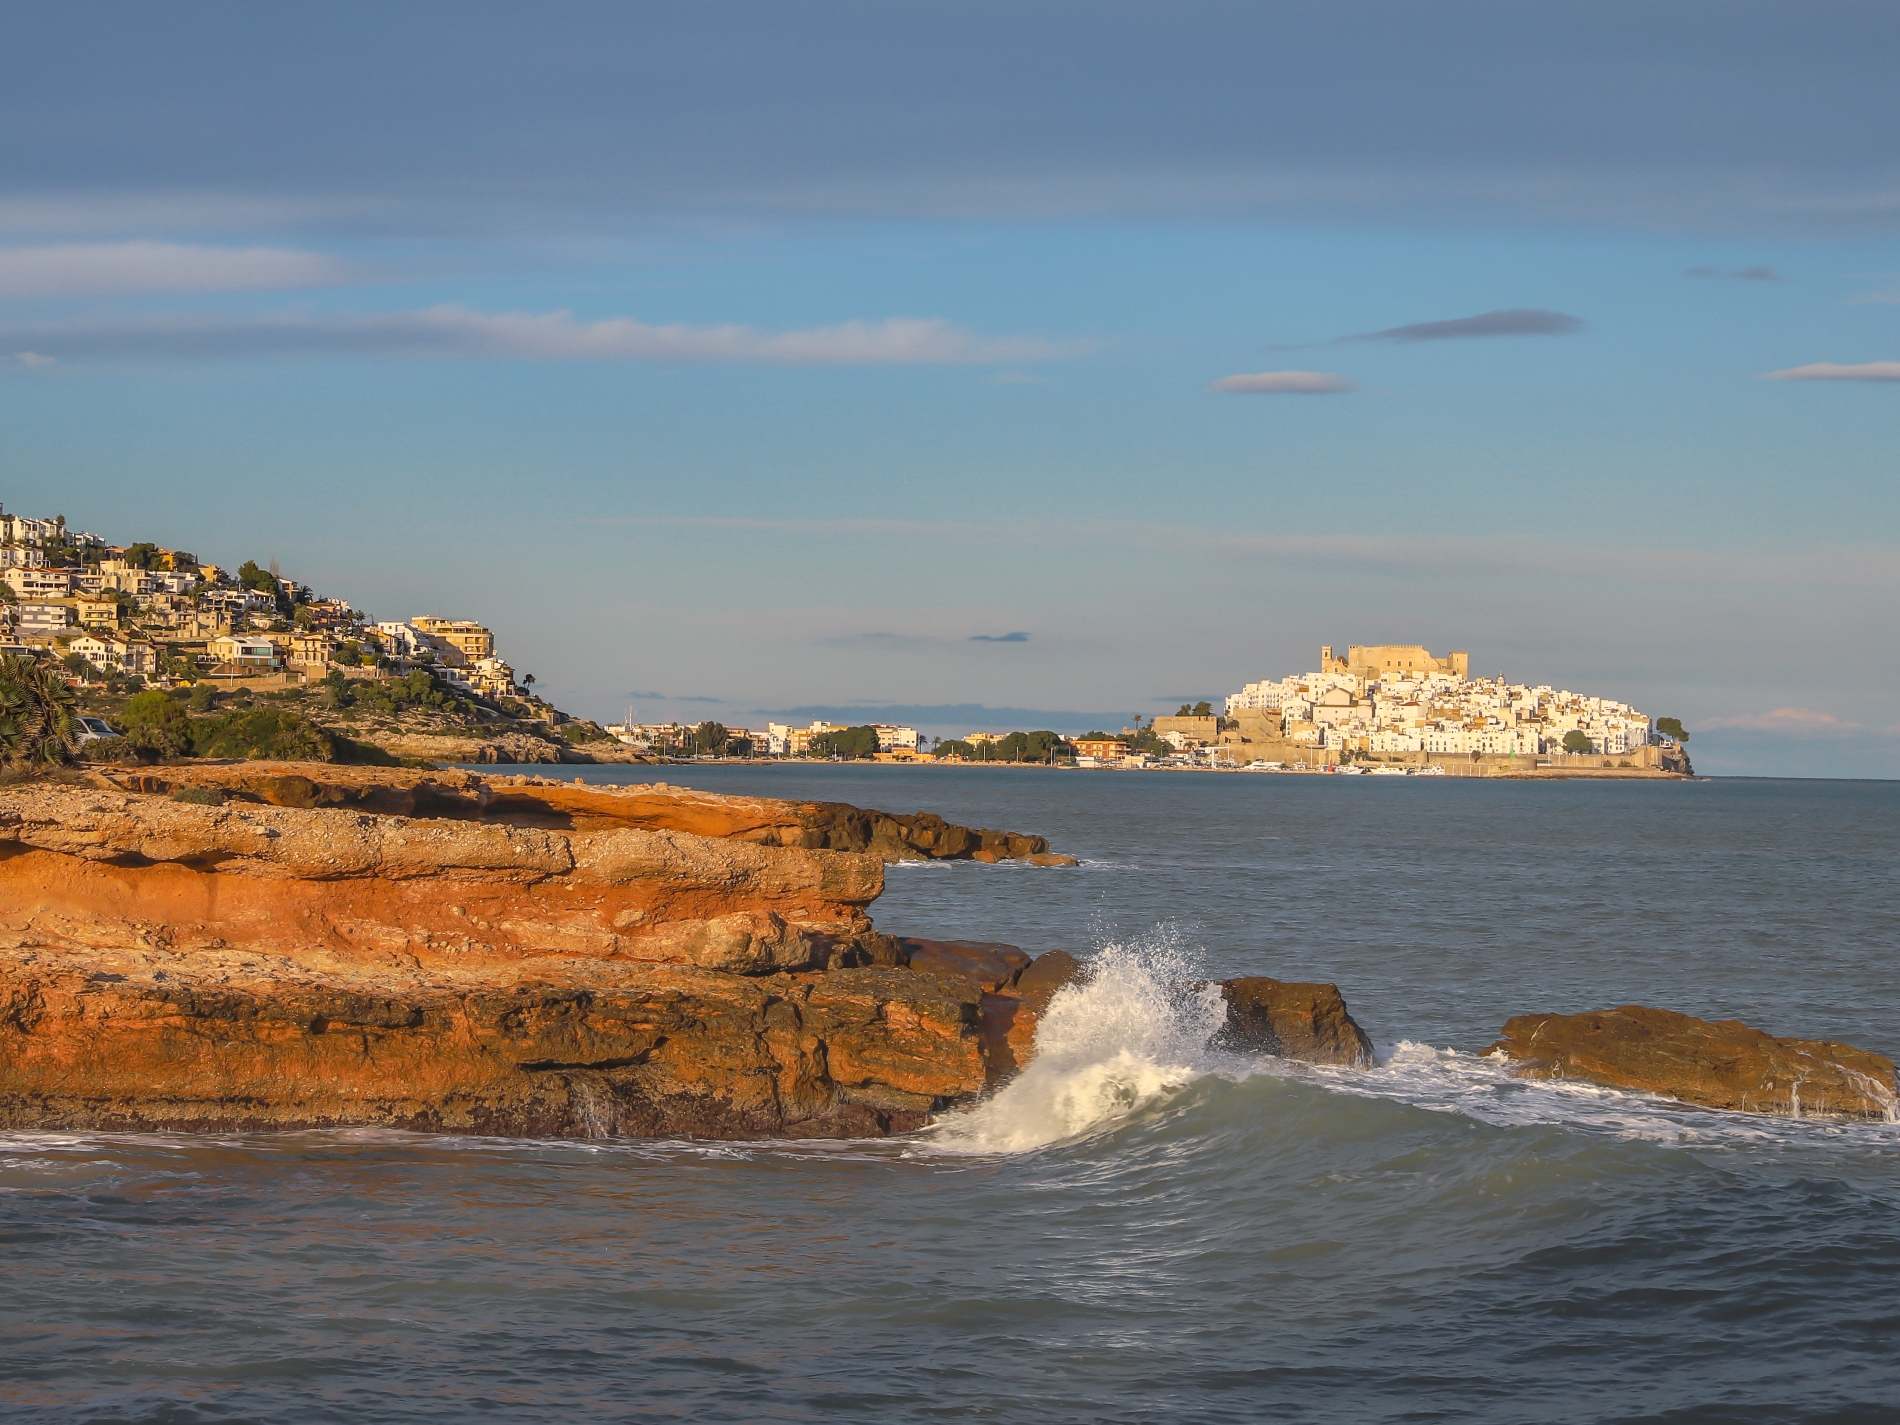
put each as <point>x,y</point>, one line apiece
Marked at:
<point>285,946</point>
<point>246,946</point>
<point>1720,1064</point>
<point>1294,1021</point>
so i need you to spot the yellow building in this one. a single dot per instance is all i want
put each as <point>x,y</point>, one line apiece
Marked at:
<point>98,613</point>
<point>471,640</point>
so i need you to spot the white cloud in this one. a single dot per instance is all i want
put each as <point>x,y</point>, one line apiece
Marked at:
<point>1798,722</point>
<point>94,268</point>
<point>454,332</point>
<point>33,358</point>
<point>1829,371</point>
<point>1295,383</point>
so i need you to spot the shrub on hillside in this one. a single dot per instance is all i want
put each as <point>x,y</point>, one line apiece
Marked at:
<point>157,724</point>
<point>263,733</point>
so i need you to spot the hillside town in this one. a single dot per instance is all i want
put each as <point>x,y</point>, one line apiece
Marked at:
<point>1390,700</point>
<point>126,618</point>
<point>160,615</point>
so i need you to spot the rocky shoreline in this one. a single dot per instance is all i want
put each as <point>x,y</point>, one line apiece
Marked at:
<point>240,946</point>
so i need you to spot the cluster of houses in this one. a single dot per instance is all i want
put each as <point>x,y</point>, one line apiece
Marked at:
<point>160,615</point>
<point>778,740</point>
<point>1398,699</point>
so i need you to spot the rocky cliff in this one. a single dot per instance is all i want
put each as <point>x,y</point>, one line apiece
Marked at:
<point>285,946</point>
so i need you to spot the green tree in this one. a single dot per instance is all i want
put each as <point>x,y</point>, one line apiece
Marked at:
<point>141,555</point>
<point>851,742</point>
<point>1187,711</point>
<point>155,723</point>
<point>710,738</point>
<point>252,577</point>
<point>36,714</point>
<point>1672,727</point>
<point>1575,741</point>
<point>1203,710</point>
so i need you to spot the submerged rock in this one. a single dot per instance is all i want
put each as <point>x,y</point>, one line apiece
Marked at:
<point>1720,1064</point>
<point>1308,1022</point>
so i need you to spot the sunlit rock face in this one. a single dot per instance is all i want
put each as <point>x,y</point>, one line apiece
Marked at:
<point>1721,1064</point>
<point>254,946</point>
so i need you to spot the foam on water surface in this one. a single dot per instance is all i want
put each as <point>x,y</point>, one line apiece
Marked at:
<point>1137,1027</point>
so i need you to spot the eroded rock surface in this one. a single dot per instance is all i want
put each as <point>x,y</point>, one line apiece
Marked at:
<point>1720,1064</point>
<point>522,800</point>
<point>248,946</point>
<point>282,946</point>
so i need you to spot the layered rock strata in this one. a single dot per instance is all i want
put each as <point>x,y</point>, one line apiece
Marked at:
<point>250,946</point>
<point>522,800</point>
<point>1721,1064</point>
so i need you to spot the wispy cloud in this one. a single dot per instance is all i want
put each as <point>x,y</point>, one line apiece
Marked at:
<point>1762,273</point>
<point>81,269</point>
<point>1806,722</point>
<point>458,333</point>
<point>1865,567</point>
<point>33,358</point>
<point>1514,321</point>
<point>1286,383</point>
<point>1017,637</point>
<point>1830,371</point>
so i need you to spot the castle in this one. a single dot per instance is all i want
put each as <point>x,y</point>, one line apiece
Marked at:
<point>1393,660</point>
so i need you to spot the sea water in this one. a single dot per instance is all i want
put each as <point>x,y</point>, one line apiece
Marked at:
<point>1143,1226</point>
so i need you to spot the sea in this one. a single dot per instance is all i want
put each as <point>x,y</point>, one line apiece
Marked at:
<point>1141,1227</point>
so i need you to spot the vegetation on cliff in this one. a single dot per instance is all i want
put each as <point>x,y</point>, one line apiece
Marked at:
<point>37,711</point>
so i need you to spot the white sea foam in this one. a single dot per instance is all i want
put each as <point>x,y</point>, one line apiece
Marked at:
<point>1137,1027</point>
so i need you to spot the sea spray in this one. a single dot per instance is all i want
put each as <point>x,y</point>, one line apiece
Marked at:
<point>1137,1026</point>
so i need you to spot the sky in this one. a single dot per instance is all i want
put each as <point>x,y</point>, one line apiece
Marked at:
<point>995,365</point>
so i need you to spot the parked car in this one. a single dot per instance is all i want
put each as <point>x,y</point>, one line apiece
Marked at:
<point>92,729</point>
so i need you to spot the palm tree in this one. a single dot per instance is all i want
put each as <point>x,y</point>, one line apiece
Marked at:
<point>36,714</point>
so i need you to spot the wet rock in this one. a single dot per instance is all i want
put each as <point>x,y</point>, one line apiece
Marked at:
<point>1295,1021</point>
<point>987,965</point>
<point>1721,1064</point>
<point>1013,1012</point>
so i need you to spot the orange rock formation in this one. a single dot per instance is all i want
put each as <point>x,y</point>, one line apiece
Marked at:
<point>255,945</point>
<point>1724,1064</point>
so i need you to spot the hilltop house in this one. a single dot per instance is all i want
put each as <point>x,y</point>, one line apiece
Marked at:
<point>243,653</point>
<point>41,620</point>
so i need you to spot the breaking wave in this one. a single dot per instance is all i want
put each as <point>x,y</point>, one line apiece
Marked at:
<point>1138,1027</point>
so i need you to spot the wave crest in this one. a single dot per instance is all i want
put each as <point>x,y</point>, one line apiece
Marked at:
<point>1136,1027</point>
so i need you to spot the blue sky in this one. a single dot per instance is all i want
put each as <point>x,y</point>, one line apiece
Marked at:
<point>758,357</point>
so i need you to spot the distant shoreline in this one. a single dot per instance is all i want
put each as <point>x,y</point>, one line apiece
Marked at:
<point>1539,774</point>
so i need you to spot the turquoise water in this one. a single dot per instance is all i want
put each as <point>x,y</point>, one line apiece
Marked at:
<point>1149,1230</point>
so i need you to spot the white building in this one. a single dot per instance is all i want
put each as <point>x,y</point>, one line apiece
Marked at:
<point>891,738</point>
<point>1439,713</point>
<point>38,583</point>
<point>42,620</point>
